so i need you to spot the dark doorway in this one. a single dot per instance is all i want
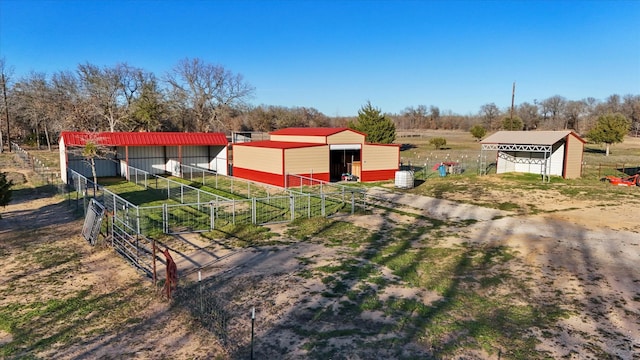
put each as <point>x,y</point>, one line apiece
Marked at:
<point>340,162</point>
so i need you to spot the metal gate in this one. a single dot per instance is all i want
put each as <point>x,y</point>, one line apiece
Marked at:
<point>93,221</point>
<point>187,218</point>
<point>136,248</point>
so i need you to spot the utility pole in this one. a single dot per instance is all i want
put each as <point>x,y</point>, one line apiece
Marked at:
<point>513,96</point>
<point>6,110</point>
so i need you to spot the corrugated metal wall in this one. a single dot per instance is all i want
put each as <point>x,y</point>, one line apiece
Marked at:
<point>256,158</point>
<point>380,157</point>
<point>299,138</point>
<point>153,159</point>
<point>345,137</point>
<point>573,161</point>
<point>307,160</point>
<point>104,167</point>
<point>147,158</point>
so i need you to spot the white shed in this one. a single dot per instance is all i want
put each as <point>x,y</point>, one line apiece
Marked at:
<point>547,153</point>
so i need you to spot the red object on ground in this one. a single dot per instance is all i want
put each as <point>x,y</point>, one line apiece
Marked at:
<point>633,180</point>
<point>172,274</point>
<point>446,163</point>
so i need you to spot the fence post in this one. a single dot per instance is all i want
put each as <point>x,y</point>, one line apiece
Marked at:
<point>292,207</point>
<point>138,219</point>
<point>200,286</point>
<point>323,212</point>
<point>212,215</point>
<point>253,211</point>
<point>115,208</point>
<point>353,203</point>
<point>309,206</point>
<point>165,218</point>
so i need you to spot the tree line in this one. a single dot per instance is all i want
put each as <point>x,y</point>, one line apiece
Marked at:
<point>198,96</point>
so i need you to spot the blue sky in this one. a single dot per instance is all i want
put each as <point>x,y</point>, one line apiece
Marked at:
<point>337,55</point>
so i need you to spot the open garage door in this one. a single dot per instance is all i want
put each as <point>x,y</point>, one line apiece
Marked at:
<point>342,158</point>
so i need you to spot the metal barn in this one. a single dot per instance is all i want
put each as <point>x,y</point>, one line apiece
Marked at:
<point>321,153</point>
<point>557,153</point>
<point>154,152</point>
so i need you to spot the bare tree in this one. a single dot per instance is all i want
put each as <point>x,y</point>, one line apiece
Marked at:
<point>435,116</point>
<point>4,79</point>
<point>111,90</point>
<point>490,115</point>
<point>36,104</point>
<point>554,106</point>
<point>207,90</point>
<point>631,109</point>
<point>529,115</point>
<point>76,110</point>
<point>613,104</point>
<point>101,87</point>
<point>574,111</point>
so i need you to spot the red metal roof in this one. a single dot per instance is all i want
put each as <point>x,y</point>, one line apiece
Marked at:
<point>278,144</point>
<point>313,131</point>
<point>144,138</point>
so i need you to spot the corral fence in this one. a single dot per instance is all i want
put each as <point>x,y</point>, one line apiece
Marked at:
<point>222,313</point>
<point>190,209</point>
<point>123,229</point>
<point>229,184</point>
<point>44,172</point>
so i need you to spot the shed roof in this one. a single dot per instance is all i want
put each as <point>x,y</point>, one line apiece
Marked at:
<point>278,144</point>
<point>144,138</point>
<point>528,137</point>
<point>312,131</point>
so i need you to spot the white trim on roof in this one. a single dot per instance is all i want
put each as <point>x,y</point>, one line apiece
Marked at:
<point>345,147</point>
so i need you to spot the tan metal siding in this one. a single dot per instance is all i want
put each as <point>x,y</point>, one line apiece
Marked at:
<point>345,137</point>
<point>378,157</point>
<point>257,158</point>
<point>573,162</point>
<point>307,160</point>
<point>299,138</point>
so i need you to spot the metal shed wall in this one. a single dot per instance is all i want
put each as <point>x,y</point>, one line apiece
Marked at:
<point>346,137</point>
<point>62,151</point>
<point>104,167</point>
<point>574,153</point>
<point>259,164</point>
<point>307,161</point>
<point>147,158</point>
<point>379,162</point>
<point>299,138</point>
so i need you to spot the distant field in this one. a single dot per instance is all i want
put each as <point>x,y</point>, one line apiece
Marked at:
<point>463,148</point>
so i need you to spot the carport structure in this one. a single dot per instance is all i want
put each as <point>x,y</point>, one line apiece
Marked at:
<point>154,152</point>
<point>547,153</point>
